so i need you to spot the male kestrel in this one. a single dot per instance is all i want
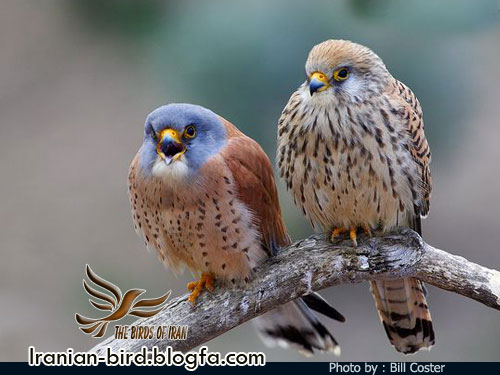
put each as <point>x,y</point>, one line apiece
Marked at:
<point>352,149</point>
<point>203,196</point>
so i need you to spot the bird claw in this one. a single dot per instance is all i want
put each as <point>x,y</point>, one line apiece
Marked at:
<point>196,287</point>
<point>336,232</point>
<point>209,284</point>
<point>190,286</point>
<point>352,233</point>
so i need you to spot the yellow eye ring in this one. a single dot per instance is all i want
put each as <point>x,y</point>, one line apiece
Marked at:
<point>190,132</point>
<point>341,74</point>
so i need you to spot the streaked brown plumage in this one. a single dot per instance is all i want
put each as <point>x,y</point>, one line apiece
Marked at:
<point>203,196</point>
<point>352,150</point>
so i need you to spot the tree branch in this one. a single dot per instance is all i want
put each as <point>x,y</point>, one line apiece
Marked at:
<point>311,265</point>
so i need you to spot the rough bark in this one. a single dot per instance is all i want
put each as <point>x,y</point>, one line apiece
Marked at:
<point>310,265</point>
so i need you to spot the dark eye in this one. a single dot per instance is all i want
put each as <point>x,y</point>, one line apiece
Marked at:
<point>151,132</point>
<point>341,74</point>
<point>154,136</point>
<point>190,132</point>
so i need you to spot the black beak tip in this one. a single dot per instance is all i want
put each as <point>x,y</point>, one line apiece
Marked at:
<point>314,86</point>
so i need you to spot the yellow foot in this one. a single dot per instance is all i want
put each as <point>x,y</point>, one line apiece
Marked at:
<point>336,232</point>
<point>196,287</point>
<point>352,233</point>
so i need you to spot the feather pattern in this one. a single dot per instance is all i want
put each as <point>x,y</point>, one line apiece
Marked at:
<point>355,155</point>
<point>215,210</point>
<point>253,173</point>
<point>408,324</point>
<point>293,324</point>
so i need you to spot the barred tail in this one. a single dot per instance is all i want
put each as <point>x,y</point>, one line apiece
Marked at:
<point>295,325</point>
<point>403,310</point>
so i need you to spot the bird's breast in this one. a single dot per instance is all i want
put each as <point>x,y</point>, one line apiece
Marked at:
<point>202,225</point>
<point>345,166</point>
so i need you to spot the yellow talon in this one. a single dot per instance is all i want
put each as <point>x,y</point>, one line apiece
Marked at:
<point>209,284</point>
<point>192,285</point>
<point>352,234</point>
<point>196,287</point>
<point>336,232</point>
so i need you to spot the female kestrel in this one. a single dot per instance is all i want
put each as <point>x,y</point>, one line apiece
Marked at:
<point>352,149</point>
<point>203,196</point>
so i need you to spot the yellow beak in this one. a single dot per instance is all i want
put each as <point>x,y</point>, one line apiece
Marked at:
<point>318,82</point>
<point>170,147</point>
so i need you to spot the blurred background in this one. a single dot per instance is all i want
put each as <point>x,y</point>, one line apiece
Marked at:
<point>78,78</point>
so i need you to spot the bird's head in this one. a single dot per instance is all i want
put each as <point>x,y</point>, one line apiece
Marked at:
<point>179,139</point>
<point>344,71</point>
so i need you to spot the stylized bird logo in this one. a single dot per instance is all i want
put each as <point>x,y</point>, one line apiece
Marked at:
<point>120,306</point>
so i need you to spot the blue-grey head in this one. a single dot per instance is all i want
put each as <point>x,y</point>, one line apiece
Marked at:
<point>179,139</point>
